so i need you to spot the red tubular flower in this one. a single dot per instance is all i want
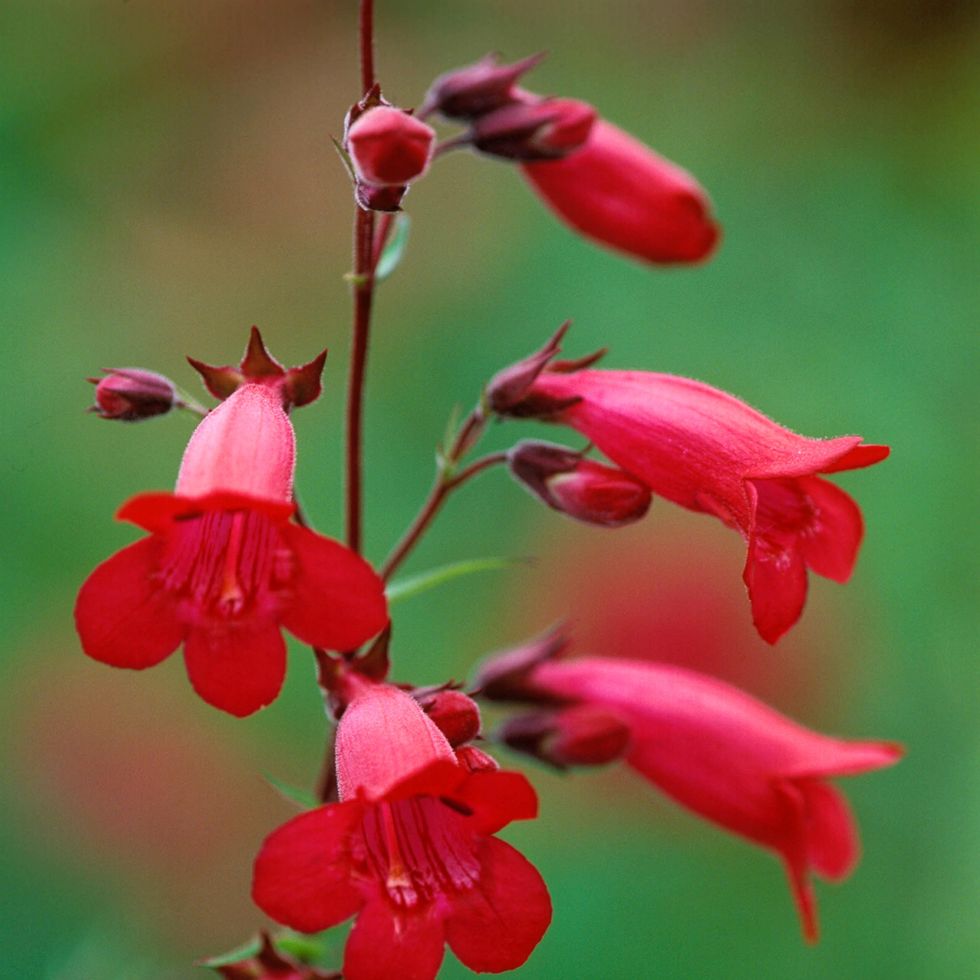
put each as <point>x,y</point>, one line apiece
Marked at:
<point>733,760</point>
<point>223,569</point>
<point>409,850</point>
<point>618,192</point>
<point>710,452</point>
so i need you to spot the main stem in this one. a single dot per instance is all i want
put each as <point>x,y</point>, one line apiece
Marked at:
<point>365,260</point>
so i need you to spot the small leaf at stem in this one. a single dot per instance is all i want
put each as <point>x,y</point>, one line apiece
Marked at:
<point>392,253</point>
<point>243,952</point>
<point>417,584</point>
<point>295,794</point>
<point>344,158</point>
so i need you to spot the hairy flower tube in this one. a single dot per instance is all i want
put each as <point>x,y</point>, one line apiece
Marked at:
<point>730,759</point>
<point>409,850</point>
<point>710,452</point>
<point>618,192</point>
<point>223,570</point>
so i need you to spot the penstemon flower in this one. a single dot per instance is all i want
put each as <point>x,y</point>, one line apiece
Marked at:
<point>709,452</point>
<point>223,569</point>
<point>713,748</point>
<point>409,849</point>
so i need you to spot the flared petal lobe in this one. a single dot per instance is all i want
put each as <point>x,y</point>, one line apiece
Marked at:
<point>496,927</point>
<point>731,759</point>
<point>337,599</point>
<point>618,192</point>
<point>122,615</point>
<point>303,872</point>
<point>385,943</point>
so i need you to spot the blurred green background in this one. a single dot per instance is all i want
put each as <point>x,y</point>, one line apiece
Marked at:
<point>167,180</point>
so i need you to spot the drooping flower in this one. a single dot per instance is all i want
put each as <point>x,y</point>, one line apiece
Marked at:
<point>618,192</point>
<point>223,570</point>
<point>710,452</point>
<point>725,756</point>
<point>409,850</point>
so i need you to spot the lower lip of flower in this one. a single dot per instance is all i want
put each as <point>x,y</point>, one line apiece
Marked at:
<point>418,850</point>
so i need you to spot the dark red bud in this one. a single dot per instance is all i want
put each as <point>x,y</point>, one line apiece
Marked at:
<point>454,714</point>
<point>389,147</point>
<point>473,759</point>
<point>542,129</point>
<point>579,735</point>
<point>503,676</point>
<point>472,90</point>
<point>507,392</point>
<point>581,488</point>
<point>133,394</point>
<point>298,385</point>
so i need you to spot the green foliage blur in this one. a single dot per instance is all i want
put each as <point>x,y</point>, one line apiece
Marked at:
<point>167,180</point>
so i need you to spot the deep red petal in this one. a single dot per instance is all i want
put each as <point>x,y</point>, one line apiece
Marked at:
<point>122,615</point>
<point>440,778</point>
<point>857,458</point>
<point>384,943</point>
<point>775,575</point>
<point>497,798</point>
<point>238,666</point>
<point>338,599</point>
<point>302,873</point>
<point>832,844</point>
<point>496,925</point>
<point>158,511</point>
<point>831,540</point>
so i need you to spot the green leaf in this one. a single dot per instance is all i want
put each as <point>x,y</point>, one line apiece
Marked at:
<point>295,794</point>
<point>392,253</point>
<point>417,584</point>
<point>243,952</point>
<point>303,948</point>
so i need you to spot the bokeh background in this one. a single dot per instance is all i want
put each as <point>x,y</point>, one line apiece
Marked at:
<point>167,180</point>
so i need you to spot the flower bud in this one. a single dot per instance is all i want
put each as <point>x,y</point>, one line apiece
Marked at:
<point>536,129</point>
<point>389,147</point>
<point>503,676</point>
<point>588,491</point>
<point>132,394</point>
<point>580,735</point>
<point>472,90</point>
<point>454,714</point>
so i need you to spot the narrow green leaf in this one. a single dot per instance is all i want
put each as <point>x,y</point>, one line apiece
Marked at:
<point>417,584</point>
<point>392,253</point>
<point>244,952</point>
<point>295,794</point>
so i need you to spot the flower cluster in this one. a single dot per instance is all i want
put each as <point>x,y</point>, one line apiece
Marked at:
<point>404,837</point>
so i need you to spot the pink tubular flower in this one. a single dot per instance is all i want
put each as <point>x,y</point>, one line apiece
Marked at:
<point>731,759</point>
<point>618,192</point>
<point>710,452</point>
<point>409,850</point>
<point>223,569</point>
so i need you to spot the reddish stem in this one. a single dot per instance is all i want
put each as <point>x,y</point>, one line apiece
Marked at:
<point>443,486</point>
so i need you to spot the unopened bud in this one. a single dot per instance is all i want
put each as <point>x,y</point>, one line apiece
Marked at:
<point>579,735</point>
<point>454,714</point>
<point>581,488</point>
<point>472,90</point>
<point>473,759</point>
<point>504,675</point>
<point>507,391</point>
<point>133,394</point>
<point>389,147</point>
<point>537,129</point>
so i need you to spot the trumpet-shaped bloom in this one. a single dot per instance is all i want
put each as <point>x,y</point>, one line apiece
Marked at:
<point>731,759</point>
<point>409,850</point>
<point>620,193</point>
<point>223,569</point>
<point>710,452</point>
